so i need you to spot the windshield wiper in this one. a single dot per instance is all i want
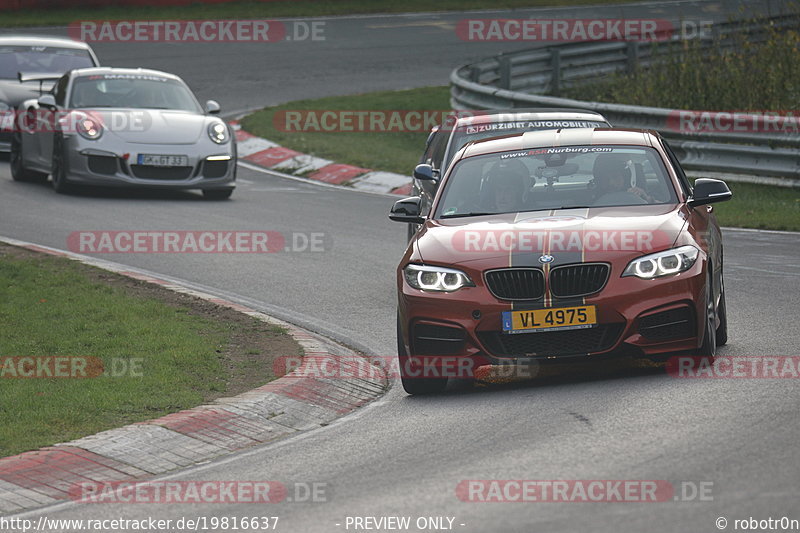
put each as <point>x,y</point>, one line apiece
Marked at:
<point>459,215</point>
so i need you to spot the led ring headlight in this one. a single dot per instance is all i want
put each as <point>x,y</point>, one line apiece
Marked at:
<point>433,278</point>
<point>663,263</point>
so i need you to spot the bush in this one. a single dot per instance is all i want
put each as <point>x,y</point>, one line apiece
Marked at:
<point>749,76</point>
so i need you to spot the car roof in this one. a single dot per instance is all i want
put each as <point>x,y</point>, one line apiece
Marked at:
<point>561,137</point>
<point>99,71</point>
<point>492,116</point>
<point>36,40</point>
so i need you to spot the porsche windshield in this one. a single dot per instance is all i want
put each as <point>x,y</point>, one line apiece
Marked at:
<point>40,59</point>
<point>555,178</point>
<point>131,91</point>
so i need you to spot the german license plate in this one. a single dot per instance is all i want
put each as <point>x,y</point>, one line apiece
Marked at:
<point>561,318</point>
<point>155,160</point>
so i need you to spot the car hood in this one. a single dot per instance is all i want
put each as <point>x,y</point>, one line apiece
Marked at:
<point>148,126</point>
<point>568,236</point>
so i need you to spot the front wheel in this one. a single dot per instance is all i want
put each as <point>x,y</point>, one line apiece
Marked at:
<point>59,167</point>
<point>411,231</point>
<point>411,383</point>
<point>709,347</point>
<point>217,194</point>
<point>722,313</point>
<point>18,170</point>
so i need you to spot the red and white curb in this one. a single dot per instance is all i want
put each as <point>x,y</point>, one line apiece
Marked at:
<point>299,401</point>
<point>268,154</point>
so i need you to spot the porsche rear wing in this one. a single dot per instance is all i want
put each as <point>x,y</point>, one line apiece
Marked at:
<point>41,77</point>
<point>38,76</point>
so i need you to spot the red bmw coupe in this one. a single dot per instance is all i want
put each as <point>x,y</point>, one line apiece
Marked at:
<point>571,243</point>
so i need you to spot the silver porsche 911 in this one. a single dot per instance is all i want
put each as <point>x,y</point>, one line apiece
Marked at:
<point>124,127</point>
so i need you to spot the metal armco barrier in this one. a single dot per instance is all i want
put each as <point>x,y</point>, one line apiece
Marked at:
<point>524,79</point>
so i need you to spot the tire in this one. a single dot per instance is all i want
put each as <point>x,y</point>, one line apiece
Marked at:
<point>217,194</point>
<point>709,347</point>
<point>415,385</point>
<point>412,230</point>
<point>18,170</point>
<point>59,168</point>
<point>722,314</point>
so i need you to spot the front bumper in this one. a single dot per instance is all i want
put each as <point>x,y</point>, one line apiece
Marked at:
<point>95,166</point>
<point>634,317</point>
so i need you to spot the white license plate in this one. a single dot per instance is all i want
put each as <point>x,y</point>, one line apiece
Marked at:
<point>155,160</point>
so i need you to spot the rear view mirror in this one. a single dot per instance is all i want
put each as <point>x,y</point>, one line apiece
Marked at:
<point>424,172</point>
<point>212,107</point>
<point>47,101</point>
<point>407,210</point>
<point>709,191</point>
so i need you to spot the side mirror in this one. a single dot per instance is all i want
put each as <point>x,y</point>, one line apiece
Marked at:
<point>709,191</point>
<point>407,210</point>
<point>212,107</point>
<point>431,135</point>
<point>47,100</point>
<point>425,172</point>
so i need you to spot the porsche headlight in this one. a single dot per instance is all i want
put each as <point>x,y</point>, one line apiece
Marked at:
<point>89,127</point>
<point>218,132</point>
<point>438,279</point>
<point>662,263</point>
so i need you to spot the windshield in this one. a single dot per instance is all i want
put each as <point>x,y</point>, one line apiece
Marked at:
<point>40,59</point>
<point>137,91</point>
<point>477,132</point>
<point>555,178</point>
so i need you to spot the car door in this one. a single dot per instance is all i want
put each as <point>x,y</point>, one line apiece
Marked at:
<point>702,221</point>
<point>46,136</point>
<point>433,156</point>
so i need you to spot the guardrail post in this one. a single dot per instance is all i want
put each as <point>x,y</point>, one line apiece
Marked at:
<point>633,55</point>
<point>505,71</point>
<point>555,67</point>
<point>475,74</point>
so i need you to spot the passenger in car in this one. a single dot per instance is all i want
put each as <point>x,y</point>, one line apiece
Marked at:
<point>612,180</point>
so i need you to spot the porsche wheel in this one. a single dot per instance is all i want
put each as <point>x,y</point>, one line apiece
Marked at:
<point>217,194</point>
<point>59,167</point>
<point>18,170</point>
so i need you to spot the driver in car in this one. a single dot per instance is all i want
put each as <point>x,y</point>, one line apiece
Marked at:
<point>504,188</point>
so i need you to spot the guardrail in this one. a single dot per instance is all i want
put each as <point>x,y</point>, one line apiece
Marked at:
<point>533,78</point>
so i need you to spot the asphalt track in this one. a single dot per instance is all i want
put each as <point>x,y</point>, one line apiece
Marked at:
<point>405,456</point>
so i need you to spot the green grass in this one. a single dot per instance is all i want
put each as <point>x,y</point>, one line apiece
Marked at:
<point>758,206</point>
<point>752,77</point>
<point>753,206</point>
<point>49,307</point>
<point>266,9</point>
<point>393,152</point>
